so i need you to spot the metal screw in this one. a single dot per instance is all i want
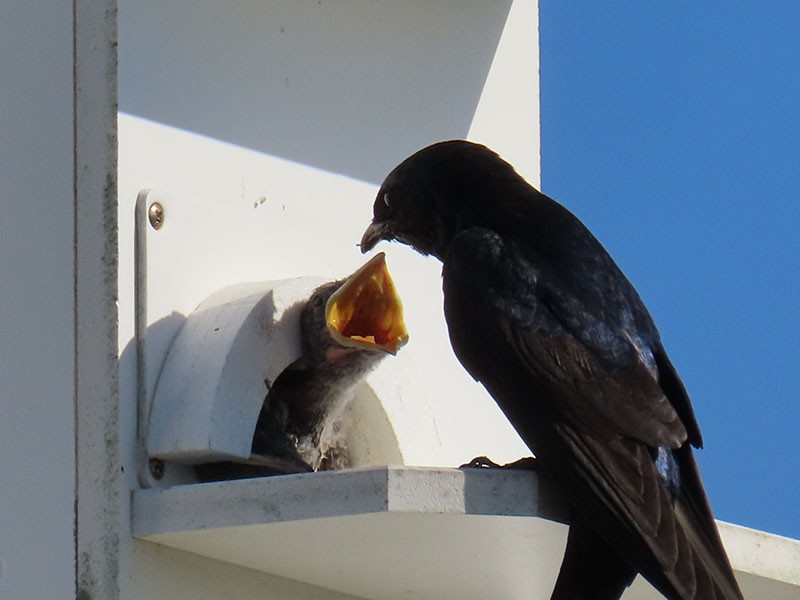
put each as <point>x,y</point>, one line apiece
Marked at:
<point>157,468</point>
<point>155,214</point>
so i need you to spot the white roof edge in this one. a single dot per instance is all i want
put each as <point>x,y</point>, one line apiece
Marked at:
<point>760,553</point>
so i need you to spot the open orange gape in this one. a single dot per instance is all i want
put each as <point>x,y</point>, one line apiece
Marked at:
<point>366,312</point>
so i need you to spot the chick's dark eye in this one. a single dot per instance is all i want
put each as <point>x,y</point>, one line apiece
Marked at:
<point>386,199</point>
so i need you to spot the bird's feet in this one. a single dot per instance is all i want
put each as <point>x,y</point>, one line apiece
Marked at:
<point>527,463</point>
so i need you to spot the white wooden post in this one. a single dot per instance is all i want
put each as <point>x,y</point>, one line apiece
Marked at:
<point>60,501</point>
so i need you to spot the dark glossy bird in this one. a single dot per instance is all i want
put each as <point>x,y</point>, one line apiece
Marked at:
<point>540,314</point>
<point>347,327</point>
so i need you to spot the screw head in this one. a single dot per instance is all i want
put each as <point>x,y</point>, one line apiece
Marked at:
<point>157,468</point>
<point>155,214</point>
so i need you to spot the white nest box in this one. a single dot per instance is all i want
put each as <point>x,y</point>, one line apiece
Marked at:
<point>204,371</point>
<point>215,376</point>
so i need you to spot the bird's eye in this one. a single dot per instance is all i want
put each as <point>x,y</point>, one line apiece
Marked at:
<point>386,199</point>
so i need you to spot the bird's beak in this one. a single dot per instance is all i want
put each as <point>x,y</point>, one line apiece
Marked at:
<point>377,231</point>
<point>366,312</point>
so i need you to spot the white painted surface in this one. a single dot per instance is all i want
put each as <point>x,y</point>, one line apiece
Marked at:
<point>385,533</point>
<point>507,118</point>
<point>345,86</point>
<point>37,350</point>
<point>101,518</point>
<point>165,573</point>
<point>762,554</point>
<point>390,533</point>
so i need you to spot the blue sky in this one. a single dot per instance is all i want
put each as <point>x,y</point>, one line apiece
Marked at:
<point>672,129</point>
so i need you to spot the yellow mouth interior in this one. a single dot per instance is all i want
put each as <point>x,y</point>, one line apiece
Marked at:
<point>366,310</point>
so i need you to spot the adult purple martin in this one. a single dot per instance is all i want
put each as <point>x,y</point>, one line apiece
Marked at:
<point>540,314</point>
<point>347,328</point>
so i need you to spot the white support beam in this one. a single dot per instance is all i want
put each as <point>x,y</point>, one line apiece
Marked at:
<point>101,518</point>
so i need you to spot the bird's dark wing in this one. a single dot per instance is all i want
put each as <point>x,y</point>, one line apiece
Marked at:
<point>594,412</point>
<point>606,374</point>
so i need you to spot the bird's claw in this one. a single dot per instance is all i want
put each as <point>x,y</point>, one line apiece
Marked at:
<point>481,462</point>
<point>527,463</point>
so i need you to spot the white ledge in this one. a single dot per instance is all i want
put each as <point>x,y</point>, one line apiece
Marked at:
<point>400,532</point>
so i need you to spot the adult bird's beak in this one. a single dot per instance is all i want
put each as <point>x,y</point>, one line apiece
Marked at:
<point>366,312</point>
<point>377,231</point>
